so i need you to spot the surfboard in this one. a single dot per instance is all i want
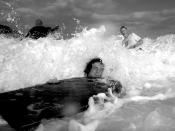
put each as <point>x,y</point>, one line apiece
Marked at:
<point>24,109</point>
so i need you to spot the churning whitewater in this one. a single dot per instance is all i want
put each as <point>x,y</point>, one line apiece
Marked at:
<point>148,75</point>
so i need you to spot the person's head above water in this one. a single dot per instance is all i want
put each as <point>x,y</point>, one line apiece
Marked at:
<point>38,22</point>
<point>94,68</point>
<point>124,31</point>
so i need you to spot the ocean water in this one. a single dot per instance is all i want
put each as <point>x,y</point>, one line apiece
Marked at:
<point>148,75</point>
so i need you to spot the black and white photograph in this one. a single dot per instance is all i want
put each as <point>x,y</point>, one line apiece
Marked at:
<point>87,65</point>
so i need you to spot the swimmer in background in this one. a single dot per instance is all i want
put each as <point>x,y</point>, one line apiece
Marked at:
<point>38,30</point>
<point>5,30</point>
<point>131,40</point>
<point>9,32</point>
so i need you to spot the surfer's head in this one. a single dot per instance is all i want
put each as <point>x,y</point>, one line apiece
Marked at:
<point>94,68</point>
<point>124,31</point>
<point>38,22</point>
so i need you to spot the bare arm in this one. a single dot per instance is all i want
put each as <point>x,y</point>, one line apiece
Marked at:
<point>140,42</point>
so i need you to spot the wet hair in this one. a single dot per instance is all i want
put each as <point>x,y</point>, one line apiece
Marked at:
<point>123,27</point>
<point>89,65</point>
<point>38,22</point>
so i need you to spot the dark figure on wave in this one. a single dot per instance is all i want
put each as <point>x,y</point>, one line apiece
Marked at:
<point>9,32</point>
<point>24,109</point>
<point>5,29</point>
<point>38,30</point>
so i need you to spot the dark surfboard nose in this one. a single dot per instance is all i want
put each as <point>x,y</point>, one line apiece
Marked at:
<point>25,108</point>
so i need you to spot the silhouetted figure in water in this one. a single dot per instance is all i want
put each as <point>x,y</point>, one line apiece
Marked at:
<point>38,30</point>
<point>5,30</point>
<point>9,32</point>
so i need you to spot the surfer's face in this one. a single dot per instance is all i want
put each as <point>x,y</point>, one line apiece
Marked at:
<point>124,32</point>
<point>96,70</point>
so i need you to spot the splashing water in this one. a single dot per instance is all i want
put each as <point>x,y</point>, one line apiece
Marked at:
<point>147,74</point>
<point>9,16</point>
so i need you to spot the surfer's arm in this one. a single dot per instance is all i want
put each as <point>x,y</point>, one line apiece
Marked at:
<point>125,43</point>
<point>140,42</point>
<point>135,41</point>
<point>116,87</point>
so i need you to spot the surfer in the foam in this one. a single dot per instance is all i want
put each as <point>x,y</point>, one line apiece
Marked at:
<point>94,70</point>
<point>130,40</point>
<point>39,30</point>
